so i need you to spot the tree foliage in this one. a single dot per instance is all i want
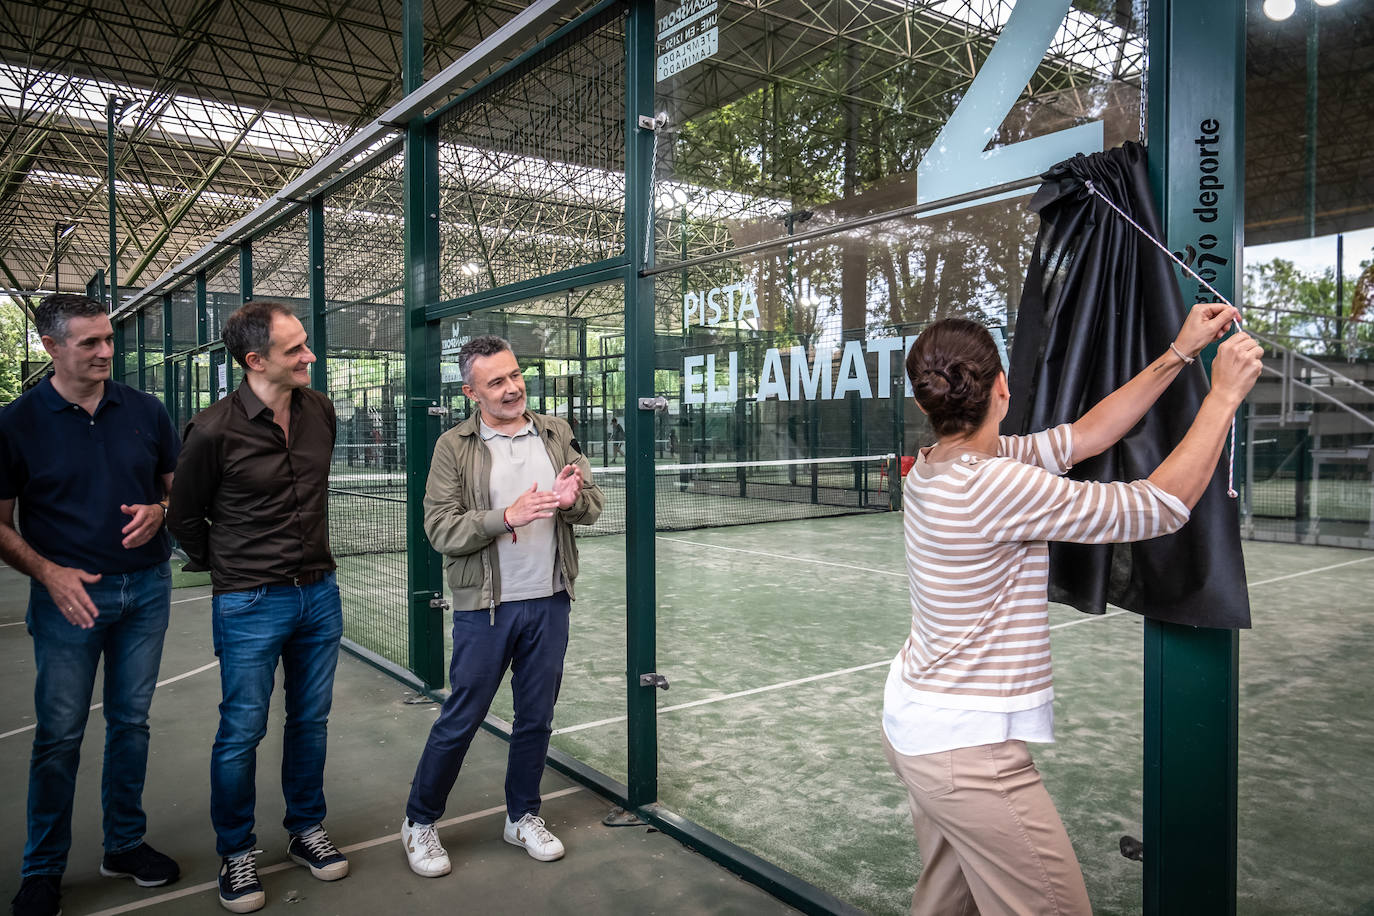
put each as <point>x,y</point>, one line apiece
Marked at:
<point>1298,309</point>
<point>12,351</point>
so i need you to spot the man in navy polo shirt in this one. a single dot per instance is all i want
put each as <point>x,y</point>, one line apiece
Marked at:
<point>90,462</point>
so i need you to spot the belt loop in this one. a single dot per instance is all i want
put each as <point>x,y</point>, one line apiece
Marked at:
<point>296,581</point>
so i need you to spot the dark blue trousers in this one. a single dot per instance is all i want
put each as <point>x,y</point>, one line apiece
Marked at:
<point>530,638</point>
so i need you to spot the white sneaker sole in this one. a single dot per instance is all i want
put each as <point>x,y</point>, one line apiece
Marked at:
<point>249,903</point>
<point>137,880</point>
<point>540,856</point>
<point>331,872</point>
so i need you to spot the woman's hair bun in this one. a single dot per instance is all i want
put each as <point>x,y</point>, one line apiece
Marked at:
<point>952,367</point>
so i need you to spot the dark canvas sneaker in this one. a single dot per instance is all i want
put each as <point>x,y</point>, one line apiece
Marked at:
<point>240,891</point>
<point>531,833</point>
<point>315,851</point>
<point>39,895</point>
<point>143,863</point>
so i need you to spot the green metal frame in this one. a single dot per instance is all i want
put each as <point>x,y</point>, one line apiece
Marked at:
<point>642,726</point>
<point>246,271</point>
<point>1197,73</point>
<point>202,309</point>
<point>319,334</point>
<point>421,205</point>
<point>610,270</point>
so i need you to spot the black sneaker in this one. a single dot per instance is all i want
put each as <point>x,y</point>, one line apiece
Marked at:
<point>315,851</point>
<point>39,895</point>
<point>143,863</point>
<point>240,891</point>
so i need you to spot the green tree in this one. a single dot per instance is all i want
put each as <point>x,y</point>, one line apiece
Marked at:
<point>11,350</point>
<point>1297,309</point>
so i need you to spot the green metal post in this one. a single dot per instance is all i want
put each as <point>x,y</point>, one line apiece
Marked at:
<point>113,105</point>
<point>642,725</point>
<point>319,338</point>
<point>141,345</point>
<point>1196,107</point>
<point>421,205</point>
<point>169,382</point>
<point>245,272</point>
<point>202,310</point>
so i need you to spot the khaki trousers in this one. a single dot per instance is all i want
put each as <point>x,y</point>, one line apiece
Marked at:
<point>990,839</point>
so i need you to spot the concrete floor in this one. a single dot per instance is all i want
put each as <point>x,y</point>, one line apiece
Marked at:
<point>377,731</point>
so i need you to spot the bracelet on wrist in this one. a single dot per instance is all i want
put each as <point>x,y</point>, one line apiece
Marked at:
<point>1187,360</point>
<point>509,527</point>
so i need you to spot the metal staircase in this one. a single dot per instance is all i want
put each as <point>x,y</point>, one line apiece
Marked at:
<point>1309,450</point>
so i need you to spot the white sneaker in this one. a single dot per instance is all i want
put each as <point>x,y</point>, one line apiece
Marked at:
<point>531,833</point>
<point>423,849</point>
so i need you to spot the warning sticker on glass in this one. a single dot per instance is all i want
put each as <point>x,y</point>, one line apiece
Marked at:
<point>686,36</point>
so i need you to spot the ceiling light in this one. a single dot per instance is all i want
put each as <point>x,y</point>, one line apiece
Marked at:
<point>1327,2</point>
<point>1278,10</point>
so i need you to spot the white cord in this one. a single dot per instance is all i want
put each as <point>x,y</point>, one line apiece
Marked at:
<point>1231,466</point>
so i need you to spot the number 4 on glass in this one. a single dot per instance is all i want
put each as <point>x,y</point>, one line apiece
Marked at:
<point>957,162</point>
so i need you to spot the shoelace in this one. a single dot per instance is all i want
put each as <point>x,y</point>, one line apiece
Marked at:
<point>535,824</point>
<point>243,871</point>
<point>428,838</point>
<point>319,845</point>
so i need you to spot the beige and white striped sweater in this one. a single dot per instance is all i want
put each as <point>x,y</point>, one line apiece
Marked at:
<point>977,533</point>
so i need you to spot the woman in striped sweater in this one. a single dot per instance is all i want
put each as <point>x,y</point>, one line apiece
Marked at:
<point>972,683</point>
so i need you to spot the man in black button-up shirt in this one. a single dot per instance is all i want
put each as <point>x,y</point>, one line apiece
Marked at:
<point>250,503</point>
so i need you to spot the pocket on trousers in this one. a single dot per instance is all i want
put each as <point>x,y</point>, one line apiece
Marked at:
<point>231,604</point>
<point>932,774</point>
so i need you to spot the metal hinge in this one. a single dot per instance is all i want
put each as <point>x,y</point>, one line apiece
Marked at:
<point>437,411</point>
<point>653,679</point>
<point>440,602</point>
<point>653,122</point>
<point>659,403</point>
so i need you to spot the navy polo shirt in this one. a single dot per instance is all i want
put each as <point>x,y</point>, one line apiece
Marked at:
<point>71,472</point>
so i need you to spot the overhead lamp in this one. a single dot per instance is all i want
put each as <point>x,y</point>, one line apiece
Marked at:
<point>1279,10</point>
<point>1326,2</point>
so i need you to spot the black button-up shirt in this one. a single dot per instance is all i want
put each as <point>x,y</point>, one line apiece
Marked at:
<point>247,504</point>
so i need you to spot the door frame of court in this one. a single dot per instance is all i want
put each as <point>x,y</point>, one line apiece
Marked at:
<point>1196,100</point>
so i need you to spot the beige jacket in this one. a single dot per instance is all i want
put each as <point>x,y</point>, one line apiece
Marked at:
<point>463,526</point>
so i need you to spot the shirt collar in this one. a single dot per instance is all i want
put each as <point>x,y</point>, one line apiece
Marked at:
<point>486,432</point>
<point>253,405</point>
<point>56,403</point>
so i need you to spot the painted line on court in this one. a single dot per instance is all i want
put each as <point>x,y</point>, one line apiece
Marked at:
<point>284,866</point>
<point>1308,572</point>
<point>196,598</point>
<point>785,684</point>
<point>17,623</point>
<point>783,556</point>
<point>170,680</point>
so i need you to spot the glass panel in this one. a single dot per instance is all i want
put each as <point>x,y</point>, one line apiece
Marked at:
<point>568,349</point>
<point>184,317</point>
<point>281,265</point>
<point>532,169</point>
<point>782,586</point>
<point>129,329</point>
<point>365,358</point>
<point>223,294</point>
<point>1307,456</point>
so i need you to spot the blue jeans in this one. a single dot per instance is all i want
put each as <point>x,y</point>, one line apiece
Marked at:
<point>133,620</point>
<point>254,628</point>
<point>529,637</point>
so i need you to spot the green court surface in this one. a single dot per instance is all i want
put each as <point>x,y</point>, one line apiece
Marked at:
<point>776,638</point>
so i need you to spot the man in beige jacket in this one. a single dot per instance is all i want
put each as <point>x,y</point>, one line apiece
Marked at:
<point>505,488</point>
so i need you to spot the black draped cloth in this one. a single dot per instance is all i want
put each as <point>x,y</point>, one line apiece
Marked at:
<point>1100,304</point>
